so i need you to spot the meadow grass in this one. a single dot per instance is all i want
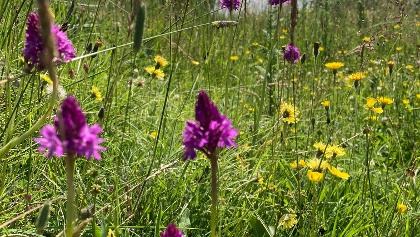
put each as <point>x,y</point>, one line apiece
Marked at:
<point>142,183</point>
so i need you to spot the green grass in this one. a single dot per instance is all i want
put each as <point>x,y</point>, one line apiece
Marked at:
<point>144,182</point>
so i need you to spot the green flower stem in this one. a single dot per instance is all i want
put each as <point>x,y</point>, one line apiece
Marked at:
<point>214,167</point>
<point>70,208</point>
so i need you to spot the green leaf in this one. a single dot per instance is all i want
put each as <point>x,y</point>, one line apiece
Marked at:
<point>44,216</point>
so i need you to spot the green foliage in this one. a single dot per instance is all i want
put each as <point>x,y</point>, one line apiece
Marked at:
<point>144,182</point>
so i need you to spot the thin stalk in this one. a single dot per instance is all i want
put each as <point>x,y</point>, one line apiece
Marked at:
<point>70,163</point>
<point>369,182</point>
<point>214,168</point>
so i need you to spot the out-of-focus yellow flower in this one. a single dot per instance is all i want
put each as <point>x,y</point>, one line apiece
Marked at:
<point>384,101</point>
<point>195,63</point>
<point>315,176</point>
<point>370,105</point>
<point>338,173</point>
<point>334,151</point>
<point>160,61</point>
<point>366,39</point>
<point>247,52</point>
<point>405,101</point>
<point>284,31</point>
<point>153,134</point>
<point>301,164</point>
<point>401,208</point>
<point>234,58</point>
<point>282,37</point>
<point>326,103</point>
<point>399,48</point>
<point>96,93</point>
<point>46,78</point>
<point>316,164</point>
<point>288,220</point>
<point>321,48</point>
<point>255,44</point>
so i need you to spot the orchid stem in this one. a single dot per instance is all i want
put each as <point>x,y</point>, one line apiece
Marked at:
<point>214,167</point>
<point>70,163</point>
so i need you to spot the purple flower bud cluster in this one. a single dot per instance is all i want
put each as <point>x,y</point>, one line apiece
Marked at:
<point>291,53</point>
<point>171,231</point>
<point>34,46</point>
<point>211,130</point>
<point>71,134</point>
<point>230,4</point>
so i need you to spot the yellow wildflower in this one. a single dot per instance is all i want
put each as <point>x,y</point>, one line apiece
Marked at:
<point>405,101</point>
<point>399,48</point>
<point>255,44</point>
<point>301,164</point>
<point>315,176</point>
<point>384,101</point>
<point>320,148</point>
<point>46,78</point>
<point>247,52</point>
<point>110,233</point>
<point>288,220</point>
<point>336,172</point>
<point>160,61</point>
<point>282,37</point>
<point>153,134</point>
<point>317,164</point>
<point>284,31</point>
<point>158,73</point>
<point>334,151</point>
<point>401,208</point>
<point>366,39</point>
<point>357,76</point>
<point>321,48</point>
<point>289,113</point>
<point>334,66</point>
<point>370,105</point>
<point>326,104</point>
<point>96,93</point>
<point>234,58</point>
<point>195,63</point>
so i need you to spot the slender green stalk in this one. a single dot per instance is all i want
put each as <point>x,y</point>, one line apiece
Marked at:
<point>369,182</point>
<point>70,208</point>
<point>214,168</point>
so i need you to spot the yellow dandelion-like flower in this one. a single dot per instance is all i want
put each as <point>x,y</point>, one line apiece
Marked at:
<point>160,61</point>
<point>401,208</point>
<point>370,105</point>
<point>247,52</point>
<point>405,101</point>
<point>334,66</point>
<point>357,76</point>
<point>366,39</point>
<point>153,134</point>
<point>282,37</point>
<point>315,176</point>
<point>300,165</point>
<point>334,151</point>
<point>158,73</point>
<point>46,78</point>
<point>234,58</point>
<point>372,118</point>
<point>317,164</point>
<point>384,101</point>
<point>336,172</point>
<point>288,220</point>
<point>96,93</point>
<point>399,48</point>
<point>284,31</point>
<point>418,96</point>
<point>390,64</point>
<point>321,48</point>
<point>255,44</point>
<point>396,26</point>
<point>195,63</point>
<point>326,104</point>
<point>110,233</point>
<point>289,113</point>
<point>418,24</point>
<point>320,148</point>
<point>260,60</point>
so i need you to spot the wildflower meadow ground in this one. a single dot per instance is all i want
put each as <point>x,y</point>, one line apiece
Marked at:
<point>258,118</point>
